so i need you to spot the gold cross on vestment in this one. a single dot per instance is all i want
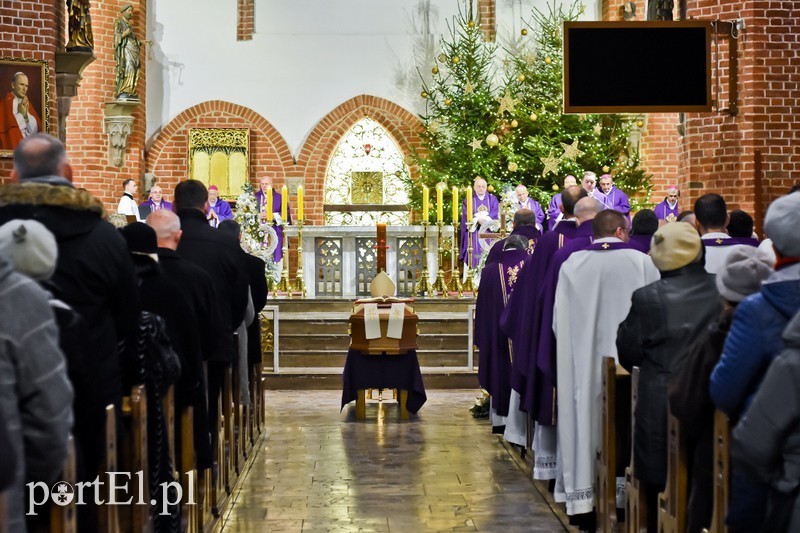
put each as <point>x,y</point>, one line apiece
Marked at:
<point>719,241</point>
<point>605,246</point>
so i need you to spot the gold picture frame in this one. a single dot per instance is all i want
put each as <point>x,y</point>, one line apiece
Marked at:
<point>221,157</point>
<point>35,94</point>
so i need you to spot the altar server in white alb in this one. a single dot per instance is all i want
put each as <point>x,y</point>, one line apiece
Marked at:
<point>127,205</point>
<point>593,296</point>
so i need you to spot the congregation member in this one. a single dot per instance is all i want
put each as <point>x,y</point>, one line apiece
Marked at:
<point>219,255</point>
<point>554,213</point>
<point>612,197</point>
<point>156,200</point>
<point>35,391</point>
<point>526,202</point>
<point>643,226</point>
<point>127,203</point>
<point>273,218</point>
<point>667,210</point>
<point>665,316</point>
<point>593,296</point>
<point>518,322</point>
<point>198,289</point>
<point>740,226</point>
<point>690,402</point>
<point>485,207</point>
<point>688,217</point>
<point>525,225</point>
<point>94,274</point>
<point>765,442</point>
<point>712,218</point>
<point>218,209</point>
<point>498,279</point>
<point>754,341</point>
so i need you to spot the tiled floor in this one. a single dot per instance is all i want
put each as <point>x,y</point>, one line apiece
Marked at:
<point>320,470</point>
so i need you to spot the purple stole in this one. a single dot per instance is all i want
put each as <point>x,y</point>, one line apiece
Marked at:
<point>495,354</point>
<point>153,207</point>
<point>492,206</point>
<point>553,211</point>
<point>277,255</point>
<point>664,212</point>
<point>617,200</point>
<point>529,232</point>
<point>641,243</point>
<point>534,206</point>
<point>732,241</point>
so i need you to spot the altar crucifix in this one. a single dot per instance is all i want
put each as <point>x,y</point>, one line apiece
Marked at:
<point>381,247</point>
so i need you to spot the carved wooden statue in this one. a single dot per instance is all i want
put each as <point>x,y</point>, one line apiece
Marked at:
<point>127,55</point>
<point>80,26</point>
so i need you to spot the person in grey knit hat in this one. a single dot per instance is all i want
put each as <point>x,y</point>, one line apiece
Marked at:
<point>742,274</point>
<point>30,248</point>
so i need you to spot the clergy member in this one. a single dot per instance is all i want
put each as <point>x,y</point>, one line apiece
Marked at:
<point>593,295</point>
<point>668,209</point>
<point>525,225</point>
<point>127,205</point>
<point>156,200</point>
<point>589,182</point>
<point>485,207</point>
<point>554,214</point>
<point>275,217</point>
<point>218,209</point>
<point>711,214</point>
<point>643,226</point>
<point>498,279</point>
<point>526,202</point>
<point>612,197</point>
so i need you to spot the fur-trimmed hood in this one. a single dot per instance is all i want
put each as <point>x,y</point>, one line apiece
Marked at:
<point>64,210</point>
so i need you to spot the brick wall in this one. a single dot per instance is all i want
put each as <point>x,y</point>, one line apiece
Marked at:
<point>32,29</point>
<point>487,16</point>
<point>246,20</point>
<point>269,153</point>
<point>86,141</point>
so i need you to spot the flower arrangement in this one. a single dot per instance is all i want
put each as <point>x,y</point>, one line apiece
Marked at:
<point>258,238</point>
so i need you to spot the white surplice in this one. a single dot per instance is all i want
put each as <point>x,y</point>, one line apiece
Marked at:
<point>593,296</point>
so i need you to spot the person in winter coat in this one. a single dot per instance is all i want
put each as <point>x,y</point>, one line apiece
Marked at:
<point>766,442</point>
<point>664,317</point>
<point>753,342</point>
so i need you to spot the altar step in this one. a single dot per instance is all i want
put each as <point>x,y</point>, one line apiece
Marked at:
<point>313,339</point>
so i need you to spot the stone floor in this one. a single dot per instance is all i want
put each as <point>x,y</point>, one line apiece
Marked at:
<point>321,470</point>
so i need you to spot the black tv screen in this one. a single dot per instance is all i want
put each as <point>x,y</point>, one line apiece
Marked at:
<point>637,67</point>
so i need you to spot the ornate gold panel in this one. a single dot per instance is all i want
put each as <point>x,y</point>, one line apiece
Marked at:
<point>220,156</point>
<point>367,187</point>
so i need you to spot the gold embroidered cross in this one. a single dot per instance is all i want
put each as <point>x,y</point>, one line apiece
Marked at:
<point>719,241</point>
<point>605,246</point>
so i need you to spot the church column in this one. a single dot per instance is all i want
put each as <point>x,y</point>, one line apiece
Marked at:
<point>245,20</point>
<point>487,18</point>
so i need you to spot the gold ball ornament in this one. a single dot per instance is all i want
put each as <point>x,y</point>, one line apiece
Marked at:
<point>548,60</point>
<point>447,101</point>
<point>534,117</point>
<point>471,23</point>
<point>435,70</point>
<point>455,59</point>
<point>492,140</point>
<point>442,58</point>
<point>521,78</point>
<point>639,123</point>
<point>524,31</point>
<point>556,187</point>
<point>514,123</point>
<point>490,188</point>
<point>513,167</point>
<point>423,94</point>
<point>606,168</point>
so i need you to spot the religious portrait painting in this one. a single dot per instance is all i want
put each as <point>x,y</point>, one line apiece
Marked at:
<point>24,100</point>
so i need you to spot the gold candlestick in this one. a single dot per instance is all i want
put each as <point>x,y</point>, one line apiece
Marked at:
<point>439,286</point>
<point>423,287</point>
<point>455,275</point>
<point>299,279</point>
<point>284,285</point>
<point>468,285</point>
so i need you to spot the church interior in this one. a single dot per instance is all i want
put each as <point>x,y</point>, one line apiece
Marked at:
<point>379,159</point>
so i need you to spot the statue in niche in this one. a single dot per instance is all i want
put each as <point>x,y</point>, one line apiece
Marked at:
<point>126,54</point>
<point>660,9</point>
<point>80,26</point>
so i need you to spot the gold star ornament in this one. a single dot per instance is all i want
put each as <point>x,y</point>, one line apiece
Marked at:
<point>550,164</point>
<point>507,103</point>
<point>475,144</point>
<point>571,150</point>
<point>469,88</point>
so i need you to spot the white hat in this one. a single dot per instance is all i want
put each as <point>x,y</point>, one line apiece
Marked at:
<point>30,248</point>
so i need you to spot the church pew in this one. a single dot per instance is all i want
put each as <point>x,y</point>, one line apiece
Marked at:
<point>722,458</point>
<point>63,518</point>
<point>3,512</point>
<point>237,409</point>
<point>673,501</point>
<point>635,504</point>
<point>134,454</point>
<point>607,453</point>
<point>217,483</point>
<point>108,515</point>
<point>168,407</point>
<point>191,516</point>
<point>229,447</point>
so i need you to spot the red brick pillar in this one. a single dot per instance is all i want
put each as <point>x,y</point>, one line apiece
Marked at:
<point>487,16</point>
<point>246,20</point>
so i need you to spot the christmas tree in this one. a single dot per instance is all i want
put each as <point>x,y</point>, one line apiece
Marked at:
<point>461,113</point>
<point>540,144</point>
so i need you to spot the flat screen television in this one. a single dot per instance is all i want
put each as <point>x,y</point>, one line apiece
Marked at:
<point>637,67</point>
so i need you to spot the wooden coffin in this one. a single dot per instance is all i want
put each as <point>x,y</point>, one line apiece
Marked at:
<point>384,344</point>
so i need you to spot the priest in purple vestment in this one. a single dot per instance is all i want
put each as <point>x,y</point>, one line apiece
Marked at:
<point>156,200</point>
<point>668,209</point>
<point>644,225</point>
<point>554,214</point>
<point>218,209</point>
<point>612,197</point>
<point>277,198</point>
<point>498,279</point>
<point>526,202</point>
<point>525,225</point>
<point>485,207</point>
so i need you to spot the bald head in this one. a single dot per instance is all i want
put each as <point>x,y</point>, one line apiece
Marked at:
<point>167,226</point>
<point>610,223</point>
<point>587,208</point>
<point>40,155</point>
<point>570,197</point>
<point>480,186</point>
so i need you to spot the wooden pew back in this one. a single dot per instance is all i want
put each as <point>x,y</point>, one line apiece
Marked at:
<point>606,459</point>
<point>673,501</point>
<point>636,506</point>
<point>722,483</point>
